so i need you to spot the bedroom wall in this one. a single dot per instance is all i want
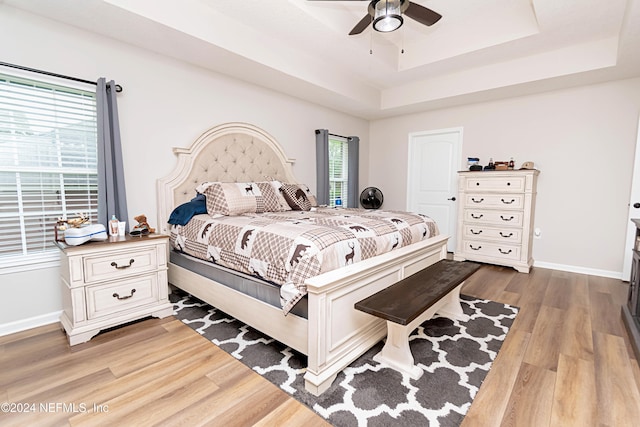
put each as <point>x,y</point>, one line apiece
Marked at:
<point>165,103</point>
<point>582,140</point>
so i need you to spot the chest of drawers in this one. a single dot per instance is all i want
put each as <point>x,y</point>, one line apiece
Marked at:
<point>495,217</point>
<point>106,284</point>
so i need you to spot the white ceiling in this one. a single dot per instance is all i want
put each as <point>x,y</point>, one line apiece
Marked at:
<point>480,50</point>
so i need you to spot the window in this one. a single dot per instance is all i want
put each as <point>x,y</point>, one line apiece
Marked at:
<point>48,165</point>
<point>338,170</point>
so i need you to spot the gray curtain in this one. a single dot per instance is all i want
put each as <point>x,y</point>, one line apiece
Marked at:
<point>112,198</point>
<point>322,166</point>
<point>353,142</point>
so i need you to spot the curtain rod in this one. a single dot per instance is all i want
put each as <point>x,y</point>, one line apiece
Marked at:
<point>334,134</point>
<point>339,136</point>
<point>48,73</point>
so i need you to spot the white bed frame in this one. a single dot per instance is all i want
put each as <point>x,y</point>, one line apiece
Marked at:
<point>335,333</point>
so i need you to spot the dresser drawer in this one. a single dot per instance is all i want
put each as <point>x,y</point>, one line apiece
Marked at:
<point>481,232</point>
<point>103,300</point>
<point>502,218</point>
<point>493,250</point>
<point>513,201</point>
<point>115,265</point>
<point>510,184</point>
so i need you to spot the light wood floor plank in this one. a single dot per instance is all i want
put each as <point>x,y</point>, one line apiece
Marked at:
<point>527,316</point>
<point>577,333</point>
<point>605,314</point>
<point>544,347</point>
<point>617,391</point>
<point>531,398</point>
<point>574,397</point>
<point>290,415</point>
<point>566,362</point>
<point>538,281</point>
<point>488,406</point>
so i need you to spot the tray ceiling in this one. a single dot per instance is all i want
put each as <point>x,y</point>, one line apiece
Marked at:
<point>480,50</point>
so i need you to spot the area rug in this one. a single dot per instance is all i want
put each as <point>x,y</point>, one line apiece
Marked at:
<point>456,357</point>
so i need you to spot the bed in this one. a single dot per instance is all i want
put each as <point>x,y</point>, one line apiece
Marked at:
<point>326,327</point>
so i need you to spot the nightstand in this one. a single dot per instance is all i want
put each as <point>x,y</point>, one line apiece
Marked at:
<point>108,283</point>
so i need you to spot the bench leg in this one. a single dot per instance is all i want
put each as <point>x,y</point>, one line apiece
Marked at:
<point>451,307</point>
<point>396,352</point>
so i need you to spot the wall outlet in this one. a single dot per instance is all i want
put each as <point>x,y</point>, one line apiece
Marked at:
<point>537,233</point>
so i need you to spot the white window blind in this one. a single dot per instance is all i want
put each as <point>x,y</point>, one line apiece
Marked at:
<point>338,170</point>
<point>48,164</point>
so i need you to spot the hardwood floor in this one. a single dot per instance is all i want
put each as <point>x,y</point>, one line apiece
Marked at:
<point>566,362</point>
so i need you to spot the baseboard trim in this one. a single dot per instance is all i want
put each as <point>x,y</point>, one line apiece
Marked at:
<point>580,270</point>
<point>32,322</point>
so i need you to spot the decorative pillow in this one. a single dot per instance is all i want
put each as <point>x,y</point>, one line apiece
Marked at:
<point>310,195</point>
<point>273,200</point>
<point>183,213</point>
<point>231,198</point>
<point>296,197</point>
<point>284,205</point>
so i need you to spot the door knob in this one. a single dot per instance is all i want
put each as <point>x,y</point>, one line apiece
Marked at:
<point>636,205</point>
<point>454,199</point>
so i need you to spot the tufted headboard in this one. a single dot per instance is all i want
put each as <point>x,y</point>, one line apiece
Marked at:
<point>232,152</point>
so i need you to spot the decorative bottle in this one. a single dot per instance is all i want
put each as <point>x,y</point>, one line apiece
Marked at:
<point>511,163</point>
<point>113,226</point>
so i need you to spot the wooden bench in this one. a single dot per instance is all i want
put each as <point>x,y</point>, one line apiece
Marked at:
<point>413,300</point>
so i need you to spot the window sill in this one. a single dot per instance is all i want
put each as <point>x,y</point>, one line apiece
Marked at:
<point>20,264</point>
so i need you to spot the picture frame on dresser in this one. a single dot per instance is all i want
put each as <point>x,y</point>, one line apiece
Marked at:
<point>496,217</point>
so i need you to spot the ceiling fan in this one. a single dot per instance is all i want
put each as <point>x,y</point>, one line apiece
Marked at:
<point>386,15</point>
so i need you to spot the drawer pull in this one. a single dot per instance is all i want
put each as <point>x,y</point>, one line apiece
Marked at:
<point>475,249</point>
<point>475,232</point>
<point>133,291</point>
<point>505,252</point>
<point>506,219</point>
<point>508,184</point>
<point>476,217</point>
<point>120,267</point>
<point>508,203</point>
<point>506,235</point>
<point>477,201</point>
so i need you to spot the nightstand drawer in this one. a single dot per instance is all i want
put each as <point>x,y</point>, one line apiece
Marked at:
<point>115,265</point>
<point>103,300</point>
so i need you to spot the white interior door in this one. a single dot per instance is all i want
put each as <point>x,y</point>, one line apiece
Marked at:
<point>634,211</point>
<point>434,162</point>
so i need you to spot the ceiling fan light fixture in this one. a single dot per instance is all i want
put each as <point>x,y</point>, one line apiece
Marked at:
<point>388,16</point>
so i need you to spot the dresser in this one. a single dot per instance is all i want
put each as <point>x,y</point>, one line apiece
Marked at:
<point>495,217</point>
<point>108,283</point>
<point>631,310</point>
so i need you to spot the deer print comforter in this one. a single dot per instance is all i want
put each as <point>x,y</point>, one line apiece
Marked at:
<point>288,247</point>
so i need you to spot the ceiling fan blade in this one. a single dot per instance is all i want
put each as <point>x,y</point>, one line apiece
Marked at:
<point>421,14</point>
<point>362,25</point>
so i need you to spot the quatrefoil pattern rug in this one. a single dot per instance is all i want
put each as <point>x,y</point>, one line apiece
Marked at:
<point>456,357</point>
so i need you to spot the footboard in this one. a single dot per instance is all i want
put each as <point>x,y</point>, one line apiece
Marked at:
<point>337,332</point>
